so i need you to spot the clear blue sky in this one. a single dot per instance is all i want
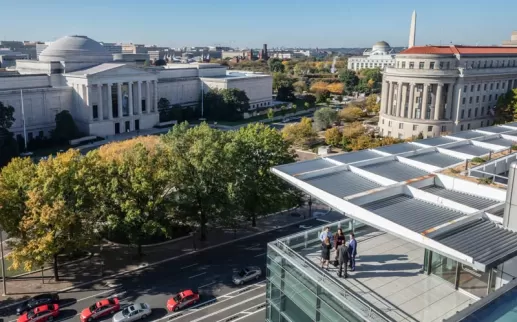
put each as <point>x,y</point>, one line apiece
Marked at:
<point>304,23</point>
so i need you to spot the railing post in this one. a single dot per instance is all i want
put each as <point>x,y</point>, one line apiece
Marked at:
<point>306,236</point>
<point>466,164</point>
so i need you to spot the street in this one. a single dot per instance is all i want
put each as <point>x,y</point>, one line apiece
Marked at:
<point>208,271</point>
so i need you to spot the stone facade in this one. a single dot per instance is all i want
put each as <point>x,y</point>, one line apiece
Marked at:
<point>380,56</point>
<point>444,89</point>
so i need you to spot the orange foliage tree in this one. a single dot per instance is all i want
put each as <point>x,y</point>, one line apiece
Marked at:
<point>336,88</point>
<point>319,87</point>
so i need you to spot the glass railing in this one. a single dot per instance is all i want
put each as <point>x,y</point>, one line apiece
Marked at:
<point>289,246</point>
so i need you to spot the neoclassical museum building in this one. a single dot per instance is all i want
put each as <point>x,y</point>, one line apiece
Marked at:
<point>104,97</point>
<point>444,89</point>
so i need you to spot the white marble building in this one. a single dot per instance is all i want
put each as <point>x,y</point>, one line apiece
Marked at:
<point>380,56</point>
<point>77,74</point>
<point>444,89</point>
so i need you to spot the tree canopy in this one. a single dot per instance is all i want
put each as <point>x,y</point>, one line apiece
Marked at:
<point>325,117</point>
<point>299,134</point>
<point>349,79</point>
<point>275,65</point>
<point>225,104</point>
<point>506,108</point>
<point>8,144</point>
<point>66,128</point>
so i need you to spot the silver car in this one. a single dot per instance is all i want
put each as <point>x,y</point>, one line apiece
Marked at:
<point>133,312</point>
<point>247,274</point>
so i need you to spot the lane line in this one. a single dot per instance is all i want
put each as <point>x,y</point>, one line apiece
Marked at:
<point>184,267</point>
<point>206,285</point>
<point>192,310</point>
<point>323,220</point>
<point>197,275</point>
<point>260,255</point>
<point>227,308</point>
<point>246,316</point>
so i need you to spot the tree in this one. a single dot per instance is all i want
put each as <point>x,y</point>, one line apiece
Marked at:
<point>336,88</point>
<point>319,87</point>
<point>281,79</point>
<point>311,99</point>
<point>58,217</point>
<point>325,117</point>
<point>300,86</point>
<point>372,77</point>
<point>254,149</point>
<point>275,65</point>
<point>420,136</point>
<point>66,129</point>
<point>322,96</point>
<point>285,92</point>
<point>350,114</point>
<point>147,63</point>
<point>8,144</point>
<point>225,104</point>
<point>363,142</point>
<point>506,107</point>
<point>340,98</point>
<point>160,62</point>
<point>163,104</point>
<point>306,105</point>
<point>200,169</point>
<point>299,134</point>
<point>353,130</point>
<point>372,104</point>
<point>138,191</point>
<point>270,113</point>
<point>349,78</point>
<point>333,136</point>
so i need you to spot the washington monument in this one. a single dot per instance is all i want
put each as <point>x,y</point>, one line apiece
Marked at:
<point>412,30</point>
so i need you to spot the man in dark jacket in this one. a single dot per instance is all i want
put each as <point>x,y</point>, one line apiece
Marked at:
<point>342,259</point>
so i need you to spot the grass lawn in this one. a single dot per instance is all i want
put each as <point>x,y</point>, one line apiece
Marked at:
<point>9,272</point>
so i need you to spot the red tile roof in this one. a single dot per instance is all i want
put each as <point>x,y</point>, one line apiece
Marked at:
<point>462,50</point>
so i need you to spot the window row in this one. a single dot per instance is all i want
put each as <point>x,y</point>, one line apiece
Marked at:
<point>423,65</point>
<point>483,99</point>
<point>486,86</point>
<point>479,64</point>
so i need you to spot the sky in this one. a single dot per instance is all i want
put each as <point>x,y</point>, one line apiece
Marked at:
<point>251,23</point>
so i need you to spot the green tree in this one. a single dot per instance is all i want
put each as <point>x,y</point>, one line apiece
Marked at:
<point>8,144</point>
<point>420,136</point>
<point>225,104</point>
<point>58,217</point>
<point>333,136</point>
<point>285,93</point>
<point>322,96</point>
<point>372,104</point>
<point>311,99</point>
<point>351,114</point>
<point>300,86</point>
<point>307,105</point>
<point>275,65</point>
<point>340,98</point>
<point>325,117</point>
<point>66,129</point>
<point>506,107</point>
<point>200,169</point>
<point>299,134</point>
<point>349,79</point>
<point>270,113</point>
<point>283,110</point>
<point>160,62</point>
<point>254,149</point>
<point>6,116</point>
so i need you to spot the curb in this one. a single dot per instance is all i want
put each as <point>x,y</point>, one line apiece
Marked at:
<point>47,268</point>
<point>170,259</point>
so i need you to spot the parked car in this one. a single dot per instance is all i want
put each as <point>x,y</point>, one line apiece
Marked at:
<point>133,312</point>
<point>247,274</point>
<point>102,308</point>
<point>182,300</point>
<point>43,313</point>
<point>36,301</point>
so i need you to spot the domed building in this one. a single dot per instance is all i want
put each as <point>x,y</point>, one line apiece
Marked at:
<point>105,96</point>
<point>380,56</point>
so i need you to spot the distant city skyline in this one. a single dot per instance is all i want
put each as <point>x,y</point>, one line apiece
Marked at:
<point>333,24</point>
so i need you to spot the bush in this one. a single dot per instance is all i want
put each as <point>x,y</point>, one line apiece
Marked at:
<point>477,160</point>
<point>485,180</point>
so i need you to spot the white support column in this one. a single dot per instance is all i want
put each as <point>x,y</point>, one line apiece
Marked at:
<point>89,105</point>
<point>424,102</point>
<point>130,87</point>
<point>411,105</point>
<point>389,106</point>
<point>403,101</point>
<point>400,98</point>
<point>155,103</point>
<point>148,100</point>
<point>139,98</point>
<point>450,91</point>
<point>110,102</point>
<point>100,110</point>
<point>384,96</point>
<point>438,107</point>
<point>119,98</point>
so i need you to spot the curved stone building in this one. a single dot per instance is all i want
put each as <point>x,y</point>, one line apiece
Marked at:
<point>107,97</point>
<point>380,56</point>
<point>444,89</point>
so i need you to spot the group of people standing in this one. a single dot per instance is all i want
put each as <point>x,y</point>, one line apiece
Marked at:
<point>345,254</point>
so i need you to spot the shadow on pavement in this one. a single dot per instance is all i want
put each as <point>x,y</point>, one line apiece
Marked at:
<point>64,302</point>
<point>157,313</point>
<point>66,314</point>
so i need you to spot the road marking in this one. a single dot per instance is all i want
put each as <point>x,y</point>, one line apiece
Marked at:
<point>192,310</point>
<point>243,317</point>
<point>260,255</point>
<point>206,285</point>
<point>197,275</point>
<point>228,307</point>
<point>323,220</point>
<point>184,267</point>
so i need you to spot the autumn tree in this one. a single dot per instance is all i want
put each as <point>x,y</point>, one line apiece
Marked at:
<point>58,218</point>
<point>336,88</point>
<point>319,86</point>
<point>363,142</point>
<point>333,136</point>
<point>299,134</point>
<point>506,107</point>
<point>372,104</point>
<point>300,86</point>
<point>353,130</point>
<point>350,114</point>
<point>325,117</point>
<point>270,113</point>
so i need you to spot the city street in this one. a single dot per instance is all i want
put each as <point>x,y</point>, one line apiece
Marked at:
<point>208,271</point>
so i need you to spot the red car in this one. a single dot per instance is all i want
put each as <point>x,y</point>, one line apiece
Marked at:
<point>100,309</point>
<point>182,300</point>
<point>42,313</point>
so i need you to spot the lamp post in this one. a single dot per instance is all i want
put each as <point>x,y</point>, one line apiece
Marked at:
<point>3,264</point>
<point>310,206</point>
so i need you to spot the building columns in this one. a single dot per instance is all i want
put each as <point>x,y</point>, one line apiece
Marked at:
<point>110,102</point>
<point>403,102</point>
<point>411,105</point>
<point>424,102</point>
<point>450,91</point>
<point>155,103</point>
<point>88,100</point>
<point>147,98</point>
<point>119,99</point>
<point>384,97</point>
<point>438,107</point>
<point>130,87</point>
<point>139,98</point>
<point>100,111</point>
<point>390,100</point>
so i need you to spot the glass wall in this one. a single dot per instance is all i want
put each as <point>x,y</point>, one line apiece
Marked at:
<point>444,267</point>
<point>473,281</point>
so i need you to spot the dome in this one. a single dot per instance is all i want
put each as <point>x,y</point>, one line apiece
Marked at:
<point>381,45</point>
<point>76,49</point>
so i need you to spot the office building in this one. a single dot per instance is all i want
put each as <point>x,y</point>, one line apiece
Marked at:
<point>380,56</point>
<point>431,242</point>
<point>513,40</point>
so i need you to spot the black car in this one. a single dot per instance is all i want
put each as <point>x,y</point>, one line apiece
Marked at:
<point>36,301</point>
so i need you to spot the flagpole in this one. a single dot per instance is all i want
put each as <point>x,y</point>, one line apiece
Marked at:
<point>23,116</point>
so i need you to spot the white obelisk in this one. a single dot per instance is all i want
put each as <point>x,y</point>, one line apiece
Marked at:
<point>412,30</point>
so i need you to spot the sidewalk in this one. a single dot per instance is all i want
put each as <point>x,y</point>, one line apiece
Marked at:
<point>113,259</point>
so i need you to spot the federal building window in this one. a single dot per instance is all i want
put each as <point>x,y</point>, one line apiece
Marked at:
<point>429,129</point>
<point>411,65</point>
<point>415,127</point>
<point>431,65</point>
<point>421,65</point>
<point>403,64</point>
<point>95,111</point>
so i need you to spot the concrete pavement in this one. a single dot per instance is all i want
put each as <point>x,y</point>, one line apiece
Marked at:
<point>209,271</point>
